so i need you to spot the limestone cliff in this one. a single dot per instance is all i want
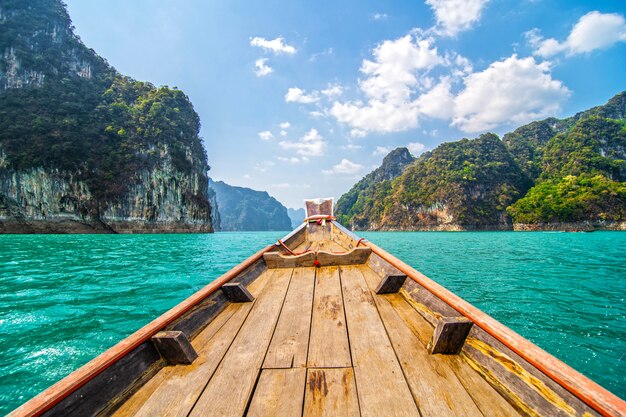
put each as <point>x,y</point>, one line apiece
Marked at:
<point>85,149</point>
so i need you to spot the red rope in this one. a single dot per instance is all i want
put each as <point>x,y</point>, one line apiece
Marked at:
<point>360,241</point>
<point>290,251</point>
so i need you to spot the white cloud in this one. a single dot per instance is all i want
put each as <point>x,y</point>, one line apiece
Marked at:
<point>283,133</point>
<point>593,31</point>
<point>263,166</point>
<point>351,147</point>
<point>454,16</point>
<point>344,167</point>
<point>392,73</point>
<point>325,52</point>
<point>311,144</point>
<point>509,91</point>
<point>376,116</point>
<point>246,177</point>
<point>297,95</point>
<point>438,102</point>
<point>382,150</point>
<point>380,16</point>
<point>293,159</point>
<point>278,45</point>
<point>285,125</point>
<point>266,135</point>
<point>416,148</point>
<point>391,80</point>
<point>262,69</point>
<point>333,90</point>
<point>316,114</point>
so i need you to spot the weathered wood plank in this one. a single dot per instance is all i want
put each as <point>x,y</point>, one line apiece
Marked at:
<point>178,387</point>
<point>174,347</point>
<point>330,392</point>
<point>236,292</point>
<point>488,400</point>
<point>328,344</point>
<point>229,389</point>
<point>174,390</point>
<point>290,342</point>
<point>324,257</point>
<point>449,335</point>
<point>390,283</point>
<point>434,386</point>
<point>279,393</point>
<point>382,389</point>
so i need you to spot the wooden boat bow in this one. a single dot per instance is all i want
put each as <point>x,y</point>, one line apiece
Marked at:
<point>323,322</point>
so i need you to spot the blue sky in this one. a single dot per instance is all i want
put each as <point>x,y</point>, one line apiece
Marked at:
<point>304,98</point>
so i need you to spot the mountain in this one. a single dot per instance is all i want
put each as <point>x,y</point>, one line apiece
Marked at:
<point>244,209</point>
<point>550,174</point>
<point>583,178</point>
<point>296,216</point>
<point>84,148</point>
<point>353,207</point>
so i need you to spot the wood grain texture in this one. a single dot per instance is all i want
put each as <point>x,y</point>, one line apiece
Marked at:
<point>68,385</point>
<point>290,342</point>
<point>390,284</point>
<point>328,344</point>
<point>141,396</point>
<point>449,335</point>
<point>236,292</point>
<point>330,392</point>
<point>325,257</point>
<point>174,391</point>
<point>488,400</point>
<point>434,386</point>
<point>580,387</point>
<point>174,347</point>
<point>229,389</point>
<point>382,388</point>
<point>279,393</point>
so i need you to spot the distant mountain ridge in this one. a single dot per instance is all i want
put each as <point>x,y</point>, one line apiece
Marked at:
<point>297,216</point>
<point>244,209</point>
<point>550,174</point>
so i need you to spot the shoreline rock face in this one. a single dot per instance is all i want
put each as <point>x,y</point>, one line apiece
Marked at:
<point>589,226</point>
<point>161,201</point>
<point>84,149</point>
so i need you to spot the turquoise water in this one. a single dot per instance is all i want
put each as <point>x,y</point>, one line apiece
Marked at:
<point>66,298</point>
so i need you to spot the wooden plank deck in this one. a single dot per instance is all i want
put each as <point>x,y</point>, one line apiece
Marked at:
<point>318,342</point>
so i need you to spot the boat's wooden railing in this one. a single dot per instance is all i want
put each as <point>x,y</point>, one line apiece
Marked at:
<point>47,399</point>
<point>592,394</point>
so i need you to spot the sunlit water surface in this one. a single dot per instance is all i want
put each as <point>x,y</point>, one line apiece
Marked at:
<point>66,298</point>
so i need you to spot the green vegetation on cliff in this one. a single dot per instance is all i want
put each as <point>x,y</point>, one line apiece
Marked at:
<point>549,171</point>
<point>468,183</point>
<point>572,199</point>
<point>65,110</point>
<point>582,176</point>
<point>358,203</point>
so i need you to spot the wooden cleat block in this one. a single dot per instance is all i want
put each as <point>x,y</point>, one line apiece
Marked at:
<point>237,293</point>
<point>174,347</point>
<point>449,335</point>
<point>390,284</point>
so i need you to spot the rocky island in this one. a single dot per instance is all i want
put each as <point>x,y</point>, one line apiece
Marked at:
<point>552,174</point>
<point>84,149</point>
